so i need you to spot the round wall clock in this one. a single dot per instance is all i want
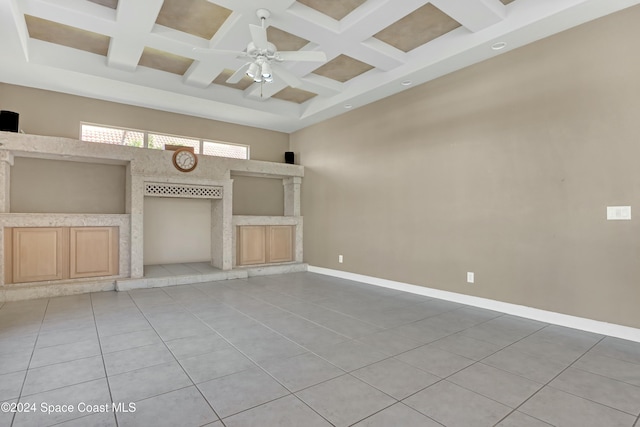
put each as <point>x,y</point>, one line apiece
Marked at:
<point>185,160</point>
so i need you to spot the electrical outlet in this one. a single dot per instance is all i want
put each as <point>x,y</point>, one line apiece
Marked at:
<point>340,259</point>
<point>470,277</point>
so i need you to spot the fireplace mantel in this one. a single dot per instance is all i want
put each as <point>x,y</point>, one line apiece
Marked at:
<point>149,171</point>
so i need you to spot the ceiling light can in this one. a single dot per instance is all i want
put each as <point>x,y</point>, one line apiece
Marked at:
<point>499,45</point>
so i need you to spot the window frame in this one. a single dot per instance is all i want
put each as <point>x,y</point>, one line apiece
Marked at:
<point>146,134</point>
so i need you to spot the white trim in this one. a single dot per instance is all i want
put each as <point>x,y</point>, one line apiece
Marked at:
<point>596,326</point>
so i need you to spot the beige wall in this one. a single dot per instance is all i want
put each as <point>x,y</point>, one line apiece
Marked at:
<point>257,196</point>
<point>56,186</point>
<point>176,230</point>
<point>56,114</point>
<point>504,168</point>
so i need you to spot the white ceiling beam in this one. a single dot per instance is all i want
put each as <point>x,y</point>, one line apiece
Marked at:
<point>233,35</point>
<point>13,30</point>
<point>135,19</point>
<point>474,15</point>
<point>74,13</point>
<point>323,86</point>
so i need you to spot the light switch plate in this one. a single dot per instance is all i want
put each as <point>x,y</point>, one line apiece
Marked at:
<point>470,277</point>
<point>618,212</point>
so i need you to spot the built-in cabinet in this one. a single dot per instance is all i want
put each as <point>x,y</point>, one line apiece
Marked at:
<point>36,254</point>
<point>263,244</point>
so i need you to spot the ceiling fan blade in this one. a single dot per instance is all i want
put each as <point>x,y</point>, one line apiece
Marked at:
<point>302,55</point>
<point>239,74</point>
<point>259,36</point>
<point>287,76</point>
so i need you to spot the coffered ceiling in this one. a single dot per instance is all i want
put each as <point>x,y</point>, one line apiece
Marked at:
<point>153,53</point>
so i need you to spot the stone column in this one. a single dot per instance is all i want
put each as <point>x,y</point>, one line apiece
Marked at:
<point>222,228</point>
<point>227,225</point>
<point>292,195</point>
<point>136,200</point>
<point>6,161</point>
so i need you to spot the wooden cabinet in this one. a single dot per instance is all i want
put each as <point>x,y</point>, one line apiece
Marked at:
<point>263,244</point>
<point>93,251</point>
<point>280,241</point>
<point>251,242</point>
<point>36,254</point>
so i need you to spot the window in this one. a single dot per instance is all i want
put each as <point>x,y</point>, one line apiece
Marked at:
<point>158,141</point>
<point>225,150</point>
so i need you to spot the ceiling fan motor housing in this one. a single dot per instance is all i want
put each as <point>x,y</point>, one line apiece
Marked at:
<point>254,52</point>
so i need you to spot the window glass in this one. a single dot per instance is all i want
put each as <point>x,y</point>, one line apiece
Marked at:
<point>225,150</point>
<point>158,142</point>
<point>114,136</point>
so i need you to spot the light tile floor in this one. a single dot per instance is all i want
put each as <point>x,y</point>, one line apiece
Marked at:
<point>304,350</point>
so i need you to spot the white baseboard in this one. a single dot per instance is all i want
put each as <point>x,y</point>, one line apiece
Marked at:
<point>604,328</point>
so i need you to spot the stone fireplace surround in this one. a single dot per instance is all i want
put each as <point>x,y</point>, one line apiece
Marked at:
<point>149,173</point>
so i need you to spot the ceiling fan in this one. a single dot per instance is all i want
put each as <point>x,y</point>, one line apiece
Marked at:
<point>264,57</point>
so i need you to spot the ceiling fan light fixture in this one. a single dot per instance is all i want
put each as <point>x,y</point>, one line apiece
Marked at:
<point>253,71</point>
<point>266,71</point>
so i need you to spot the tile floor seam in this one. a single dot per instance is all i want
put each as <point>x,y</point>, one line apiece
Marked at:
<point>261,367</point>
<point>324,308</point>
<point>184,299</point>
<point>609,378</point>
<point>173,355</point>
<point>397,403</point>
<point>104,365</point>
<point>62,387</point>
<point>254,362</point>
<point>66,361</point>
<point>301,316</point>
<point>368,416</point>
<point>304,318</point>
<point>548,382</point>
<point>515,342</point>
<point>590,400</point>
<point>33,350</point>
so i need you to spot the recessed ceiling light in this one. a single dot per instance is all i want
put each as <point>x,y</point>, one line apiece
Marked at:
<point>347,106</point>
<point>498,45</point>
<point>406,83</point>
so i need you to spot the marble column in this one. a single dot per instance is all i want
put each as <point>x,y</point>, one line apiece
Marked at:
<point>6,161</point>
<point>292,195</point>
<point>222,228</point>
<point>137,226</point>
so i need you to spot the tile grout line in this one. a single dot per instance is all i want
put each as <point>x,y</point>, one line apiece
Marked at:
<point>104,365</point>
<point>44,313</point>
<point>556,376</point>
<point>291,393</point>
<point>461,369</point>
<point>173,355</point>
<point>307,349</point>
<point>349,372</point>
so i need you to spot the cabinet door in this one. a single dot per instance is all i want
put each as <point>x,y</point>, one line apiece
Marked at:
<point>251,241</point>
<point>280,243</point>
<point>38,254</point>
<point>93,251</point>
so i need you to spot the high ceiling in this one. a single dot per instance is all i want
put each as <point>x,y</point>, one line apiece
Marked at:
<point>142,52</point>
